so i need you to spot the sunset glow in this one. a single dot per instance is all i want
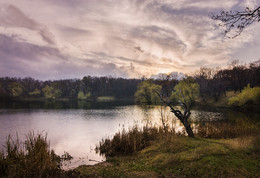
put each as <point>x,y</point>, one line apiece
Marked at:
<point>56,39</point>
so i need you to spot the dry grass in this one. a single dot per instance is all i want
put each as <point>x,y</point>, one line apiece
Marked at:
<point>179,156</point>
<point>239,143</point>
<point>240,127</point>
<point>126,143</point>
<point>30,158</point>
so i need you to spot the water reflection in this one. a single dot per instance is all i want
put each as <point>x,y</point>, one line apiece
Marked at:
<point>206,116</point>
<point>231,125</point>
<point>63,104</point>
<point>77,131</point>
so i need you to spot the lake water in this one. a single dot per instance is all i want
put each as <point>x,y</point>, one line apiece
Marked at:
<point>78,127</point>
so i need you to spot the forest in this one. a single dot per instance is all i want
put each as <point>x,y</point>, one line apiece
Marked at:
<point>88,87</point>
<point>213,83</point>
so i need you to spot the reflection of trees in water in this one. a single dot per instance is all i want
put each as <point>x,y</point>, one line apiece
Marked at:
<point>206,124</point>
<point>161,117</point>
<point>228,124</point>
<point>62,104</point>
<point>83,104</point>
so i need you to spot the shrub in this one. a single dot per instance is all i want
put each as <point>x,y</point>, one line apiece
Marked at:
<point>248,98</point>
<point>126,143</point>
<point>30,158</point>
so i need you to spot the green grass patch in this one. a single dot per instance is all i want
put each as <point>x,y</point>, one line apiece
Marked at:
<point>178,156</point>
<point>105,98</point>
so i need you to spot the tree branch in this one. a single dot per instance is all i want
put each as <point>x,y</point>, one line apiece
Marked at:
<point>237,20</point>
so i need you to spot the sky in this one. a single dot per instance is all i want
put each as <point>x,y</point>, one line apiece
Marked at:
<point>64,39</point>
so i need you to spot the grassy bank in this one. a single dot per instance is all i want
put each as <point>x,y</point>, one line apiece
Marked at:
<point>156,152</point>
<point>177,156</point>
<point>144,152</point>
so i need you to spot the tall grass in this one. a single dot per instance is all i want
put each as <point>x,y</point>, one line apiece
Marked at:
<point>129,142</point>
<point>225,130</point>
<point>137,138</point>
<point>29,158</point>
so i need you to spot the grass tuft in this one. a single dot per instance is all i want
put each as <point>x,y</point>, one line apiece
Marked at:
<point>126,143</point>
<point>30,158</point>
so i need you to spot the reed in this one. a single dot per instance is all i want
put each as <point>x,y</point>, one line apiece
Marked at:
<point>224,130</point>
<point>131,141</point>
<point>29,158</point>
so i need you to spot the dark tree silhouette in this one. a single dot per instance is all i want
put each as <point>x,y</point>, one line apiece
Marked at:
<point>237,20</point>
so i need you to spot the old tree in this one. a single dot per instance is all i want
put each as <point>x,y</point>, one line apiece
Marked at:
<point>184,94</point>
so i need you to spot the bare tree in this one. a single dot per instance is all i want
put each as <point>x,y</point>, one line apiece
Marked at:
<point>237,20</point>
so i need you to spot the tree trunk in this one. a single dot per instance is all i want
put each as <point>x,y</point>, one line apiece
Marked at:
<point>184,121</point>
<point>186,124</point>
<point>189,130</point>
<point>182,117</point>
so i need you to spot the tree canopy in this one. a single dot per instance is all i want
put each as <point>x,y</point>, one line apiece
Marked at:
<point>15,89</point>
<point>185,92</point>
<point>50,92</point>
<point>145,93</point>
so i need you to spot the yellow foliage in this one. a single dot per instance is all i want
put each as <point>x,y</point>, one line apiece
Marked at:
<point>248,96</point>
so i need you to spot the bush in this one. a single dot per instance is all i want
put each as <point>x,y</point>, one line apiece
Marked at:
<point>127,143</point>
<point>247,99</point>
<point>31,158</point>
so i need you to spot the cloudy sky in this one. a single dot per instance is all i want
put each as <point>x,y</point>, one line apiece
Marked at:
<point>54,39</point>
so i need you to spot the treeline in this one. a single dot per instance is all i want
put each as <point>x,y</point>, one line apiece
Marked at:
<point>215,82</point>
<point>88,87</point>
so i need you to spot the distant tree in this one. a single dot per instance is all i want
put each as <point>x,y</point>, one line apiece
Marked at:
<point>167,82</point>
<point>237,20</point>
<point>35,93</point>
<point>15,89</point>
<point>204,78</point>
<point>254,71</point>
<point>145,93</point>
<point>219,84</point>
<point>83,96</point>
<point>50,92</point>
<point>30,85</point>
<point>1,88</point>
<point>238,75</point>
<point>184,94</point>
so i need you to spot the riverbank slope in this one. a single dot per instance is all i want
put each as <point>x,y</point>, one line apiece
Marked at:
<point>177,156</point>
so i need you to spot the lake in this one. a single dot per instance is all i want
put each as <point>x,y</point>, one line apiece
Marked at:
<point>77,127</point>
